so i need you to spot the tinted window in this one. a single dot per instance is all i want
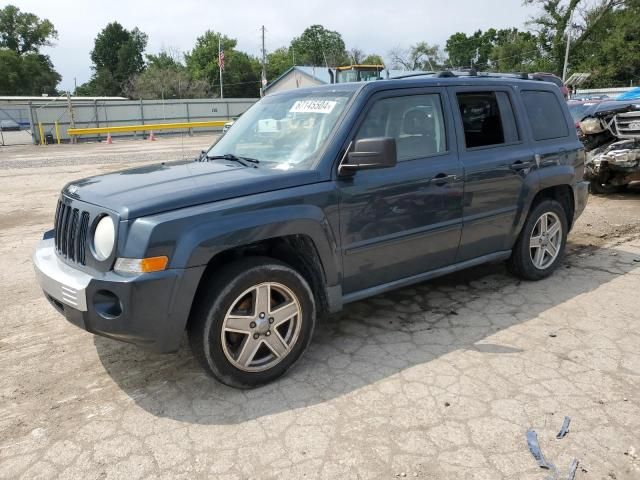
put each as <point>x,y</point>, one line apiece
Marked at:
<point>416,122</point>
<point>545,115</point>
<point>481,119</point>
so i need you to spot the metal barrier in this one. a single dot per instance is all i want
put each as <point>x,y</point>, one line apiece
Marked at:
<point>145,127</point>
<point>60,116</point>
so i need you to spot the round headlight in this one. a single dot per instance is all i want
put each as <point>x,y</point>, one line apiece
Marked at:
<point>104,238</point>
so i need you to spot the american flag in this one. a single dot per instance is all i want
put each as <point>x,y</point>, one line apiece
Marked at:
<point>221,59</point>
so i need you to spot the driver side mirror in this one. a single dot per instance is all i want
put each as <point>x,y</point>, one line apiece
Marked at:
<point>369,154</point>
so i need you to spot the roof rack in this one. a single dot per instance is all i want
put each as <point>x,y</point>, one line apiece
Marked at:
<point>471,73</point>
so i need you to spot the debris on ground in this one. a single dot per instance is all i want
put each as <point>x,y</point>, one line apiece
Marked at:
<point>564,429</point>
<point>534,448</point>
<point>572,469</point>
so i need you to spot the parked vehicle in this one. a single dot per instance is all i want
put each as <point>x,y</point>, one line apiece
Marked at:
<point>611,135</point>
<point>633,94</point>
<point>227,126</point>
<point>550,77</point>
<point>314,199</point>
<point>9,125</point>
<point>590,96</point>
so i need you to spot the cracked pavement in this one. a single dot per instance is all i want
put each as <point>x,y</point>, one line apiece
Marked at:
<point>436,381</point>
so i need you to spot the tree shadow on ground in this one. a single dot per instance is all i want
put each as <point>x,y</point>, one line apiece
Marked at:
<point>369,341</point>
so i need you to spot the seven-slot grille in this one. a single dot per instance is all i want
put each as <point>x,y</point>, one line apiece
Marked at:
<point>628,124</point>
<point>71,228</point>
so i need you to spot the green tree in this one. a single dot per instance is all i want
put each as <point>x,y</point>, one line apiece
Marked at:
<point>117,55</point>
<point>373,59</point>
<point>278,62</point>
<point>462,50</point>
<point>610,53</point>
<point>241,76</point>
<point>166,58</point>
<point>165,77</point>
<point>23,69</point>
<point>318,46</point>
<point>558,16</point>
<point>24,32</point>
<point>516,51</point>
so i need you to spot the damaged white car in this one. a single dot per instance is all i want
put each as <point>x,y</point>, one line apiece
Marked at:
<point>611,135</point>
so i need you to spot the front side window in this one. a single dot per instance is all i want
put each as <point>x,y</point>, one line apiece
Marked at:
<point>416,122</point>
<point>545,115</point>
<point>481,118</point>
<point>285,131</point>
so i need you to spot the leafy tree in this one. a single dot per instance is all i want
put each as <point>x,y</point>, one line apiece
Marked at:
<point>28,74</point>
<point>158,82</point>
<point>420,56</point>
<point>554,21</point>
<point>117,55</point>
<point>23,70</point>
<point>166,58</point>
<point>24,32</point>
<point>462,50</point>
<point>241,74</point>
<point>278,62</point>
<point>516,51</point>
<point>10,72</point>
<point>38,75</point>
<point>373,59</point>
<point>318,46</point>
<point>610,53</point>
<point>165,77</point>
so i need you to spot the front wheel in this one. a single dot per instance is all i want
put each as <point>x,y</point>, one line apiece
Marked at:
<point>253,320</point>
<point>540,246</point>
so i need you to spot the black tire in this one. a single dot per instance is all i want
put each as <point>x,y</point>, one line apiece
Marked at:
<point>520,263</point>
<point>218,294</point>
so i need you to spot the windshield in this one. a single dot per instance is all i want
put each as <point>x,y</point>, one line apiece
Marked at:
<point>284,131</point>
<point>578,110</point>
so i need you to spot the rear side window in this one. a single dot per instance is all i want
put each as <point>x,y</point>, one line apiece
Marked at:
<point>545,115</point>
<point>487,118</point>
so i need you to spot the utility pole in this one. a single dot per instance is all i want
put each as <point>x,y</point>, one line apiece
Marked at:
<point>566,53</point>
<point>220,64</point>
<point>72,119</point>
<point>263,80</point>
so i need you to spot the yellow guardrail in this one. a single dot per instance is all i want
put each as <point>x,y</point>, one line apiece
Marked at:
<point>147,127</point>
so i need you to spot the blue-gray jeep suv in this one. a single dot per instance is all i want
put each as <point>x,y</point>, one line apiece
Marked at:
<point>316,198</point>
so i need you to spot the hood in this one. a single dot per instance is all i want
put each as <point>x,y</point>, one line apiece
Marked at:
<point>612,107</point>
<point>168,186</point>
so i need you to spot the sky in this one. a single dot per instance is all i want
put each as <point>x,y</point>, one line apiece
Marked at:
<point>374,26</point>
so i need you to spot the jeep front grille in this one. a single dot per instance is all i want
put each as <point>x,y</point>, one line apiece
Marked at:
<point>70,232</point>
<point>628,125</point>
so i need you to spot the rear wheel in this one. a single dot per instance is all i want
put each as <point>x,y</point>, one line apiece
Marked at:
<point>252,322</point>
<point>540,246</point>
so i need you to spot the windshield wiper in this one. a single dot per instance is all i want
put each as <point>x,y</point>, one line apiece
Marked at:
<point>233,158</point>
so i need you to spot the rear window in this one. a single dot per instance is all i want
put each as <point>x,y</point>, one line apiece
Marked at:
<point>487,118</point>
<point>545,115</point>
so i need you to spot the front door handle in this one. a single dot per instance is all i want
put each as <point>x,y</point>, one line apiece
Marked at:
<point>520,165</point>
<point>442,179</point>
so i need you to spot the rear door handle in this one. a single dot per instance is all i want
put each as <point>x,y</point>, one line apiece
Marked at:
<point>442,179</point>
<point>520,165</point>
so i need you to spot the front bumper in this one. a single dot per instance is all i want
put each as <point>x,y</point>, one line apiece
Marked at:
<point>150,310</point>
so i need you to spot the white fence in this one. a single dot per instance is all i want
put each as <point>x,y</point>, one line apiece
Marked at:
<point>611,92</point>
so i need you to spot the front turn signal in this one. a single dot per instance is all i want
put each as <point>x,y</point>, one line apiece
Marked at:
<point>141,265</point>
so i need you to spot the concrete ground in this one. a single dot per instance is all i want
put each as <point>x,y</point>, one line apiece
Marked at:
<point>438,381</point>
